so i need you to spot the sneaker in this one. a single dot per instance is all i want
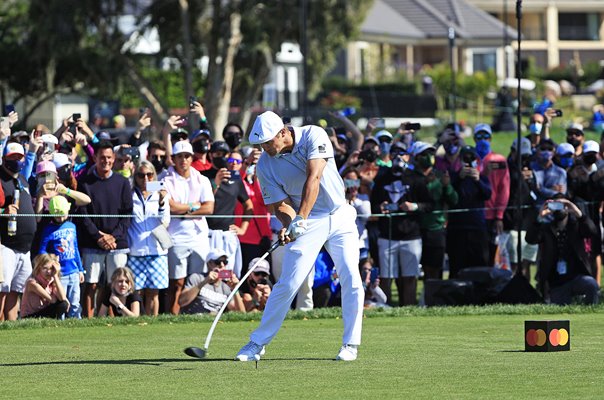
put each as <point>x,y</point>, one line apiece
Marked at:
<point>347,352</point>
<point>249,352</point>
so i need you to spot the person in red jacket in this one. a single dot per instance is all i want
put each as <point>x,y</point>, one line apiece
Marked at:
<point>495,167</point>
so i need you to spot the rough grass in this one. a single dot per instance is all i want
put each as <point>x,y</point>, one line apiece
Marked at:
<point>465,352</point>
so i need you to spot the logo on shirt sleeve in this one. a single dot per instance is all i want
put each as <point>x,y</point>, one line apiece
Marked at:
<point>323,148</point>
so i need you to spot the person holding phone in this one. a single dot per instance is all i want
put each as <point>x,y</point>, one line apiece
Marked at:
<point>228,191</point>
<point>148,258</point>
<point>206,294</point>
<point>495,168</point>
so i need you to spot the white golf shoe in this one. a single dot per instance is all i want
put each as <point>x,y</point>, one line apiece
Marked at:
<point>250,352</point>
<point>347,353</point>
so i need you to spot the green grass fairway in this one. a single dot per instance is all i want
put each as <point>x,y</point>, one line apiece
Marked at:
<point>406,354</point>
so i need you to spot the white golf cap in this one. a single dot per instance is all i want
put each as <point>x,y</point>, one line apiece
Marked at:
<point>182,147</point>
<point>215,254</point>
<point>525,146</point>
<point>13,149</point>
<point>565,148</point>
<point>48,138</point>
<point>383,134</point>
<point>266,127</point>
<point>60,160</point>
<point>591,145</point>
<point>420,147</point>
<point>263,265</point>
<point>575,126</point>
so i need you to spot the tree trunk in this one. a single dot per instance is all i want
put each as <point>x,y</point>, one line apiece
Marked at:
<point>250,94</point>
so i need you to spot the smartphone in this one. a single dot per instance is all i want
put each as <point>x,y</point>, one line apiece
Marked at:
<point>4,123</point>
<point>412,126</point>
<point>498,165</point>
<point>555,206</point>
<point>9,108</point>
<point>380,123</point>
<point>49,147</point>
<point>192,99</point>
<point>558,113</point>
<point>225,274</point>
<point>142,111</point>
<point>155,186</point>
<point>374,274</point>
<point>76,116</point>
<point>235,175</point>
<point>392,207</point>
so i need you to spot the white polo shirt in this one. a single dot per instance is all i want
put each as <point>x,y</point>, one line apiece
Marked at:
<point>283,176</point>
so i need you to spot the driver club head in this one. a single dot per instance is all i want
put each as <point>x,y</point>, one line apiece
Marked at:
<point>195,352</point>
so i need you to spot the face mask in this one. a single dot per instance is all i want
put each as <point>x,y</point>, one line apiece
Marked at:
<point>384,147</point>
<point>559,215</point>
<point>398,166</point>
<point>574,142</point>
<point>535,128</point>
<point>425,161</point>
<point>159,164</point>
<point>14,166</point>
<point>201,146</point>
<point>483,147</point>
<point>352,183</point>
<point>451,149</point>
<point>408,139</point>
<point>220,162</point>
<point>233,141</point>
<point>545,156</point>
<point>589,159</point>
<point>566,162</point>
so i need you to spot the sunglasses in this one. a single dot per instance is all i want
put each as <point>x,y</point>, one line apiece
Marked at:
<point>221,261</point>
<point>157,157</point>
<point>262,274</point>
<point>574,133</point>
<point>234,160</point>
<point>142,175</point>
<point>481,136</point>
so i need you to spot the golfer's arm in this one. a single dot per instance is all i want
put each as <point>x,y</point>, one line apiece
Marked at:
<point>284,212</point>
<point>310,191</point>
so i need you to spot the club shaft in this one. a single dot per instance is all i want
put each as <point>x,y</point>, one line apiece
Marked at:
<point>234,291</point>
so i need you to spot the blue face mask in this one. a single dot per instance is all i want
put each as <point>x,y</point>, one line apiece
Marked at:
<point>566,162</point>
<point>535,128</point>
<point>14,166</point>
<point>452,149</point>
<point>483,147</point>
<point>384,147</point>
<point>545,156</point>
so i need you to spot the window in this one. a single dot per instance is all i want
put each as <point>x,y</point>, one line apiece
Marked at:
<point>578,26</point>
<point>484,60</point>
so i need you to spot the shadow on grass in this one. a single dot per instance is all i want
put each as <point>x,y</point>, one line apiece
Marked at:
<point>153,362</point>
<point>512,351</point>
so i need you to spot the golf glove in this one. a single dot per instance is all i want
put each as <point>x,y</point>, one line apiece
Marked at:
<point>296,228</point>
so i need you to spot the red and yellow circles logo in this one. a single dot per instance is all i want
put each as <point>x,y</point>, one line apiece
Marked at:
<point>537,337</point>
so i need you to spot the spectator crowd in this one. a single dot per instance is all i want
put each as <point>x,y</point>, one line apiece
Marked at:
<point>92,227</point>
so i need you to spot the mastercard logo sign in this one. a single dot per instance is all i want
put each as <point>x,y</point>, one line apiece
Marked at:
<point>538,337</point>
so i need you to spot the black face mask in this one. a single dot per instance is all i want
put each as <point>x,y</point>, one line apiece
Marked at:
<point>202,146</point>
<point>220,162</point>
<point>14,166</point>
<point>559,215</point>
<point>574,142</point>
<point>233,141</point>
<point>158,163</point>
<point>589,159</point>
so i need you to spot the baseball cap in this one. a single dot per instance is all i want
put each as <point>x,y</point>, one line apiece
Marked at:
<point>19,134</point>
<point>575,127</point>
<point>525,146</point>
<point>13,149</point>
<point>59,205</point>
<point>263,265</point>
<point>60,160</point>
<point>565,148</point>
<point>483,128</point>
<point>591,145</point>
<point>420,147</point>
<point>182,146</point>
<point>398,148</point>
<point>371,139</point>
<point>215,254</point>
<point>199,132</point>
<point>383,134</point>
<point>467,150</point>
<point>45,166</point>
<point>266,126</point>
<point>219,145</point>
<point>48,138</point>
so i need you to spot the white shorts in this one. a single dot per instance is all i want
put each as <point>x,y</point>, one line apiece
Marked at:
<point>529,251</point>
<point>404,254</point>
<point>185,260</point>
<point>16,269</point>
<point>229,242</point>
<point>95,263</point>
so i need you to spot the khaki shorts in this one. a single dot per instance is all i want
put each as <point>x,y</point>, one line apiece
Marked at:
<point>95,263</point>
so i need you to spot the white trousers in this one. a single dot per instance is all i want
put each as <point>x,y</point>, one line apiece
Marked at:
<point>338,232</point>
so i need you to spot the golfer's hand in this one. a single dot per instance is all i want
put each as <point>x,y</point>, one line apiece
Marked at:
<point>296,228</point>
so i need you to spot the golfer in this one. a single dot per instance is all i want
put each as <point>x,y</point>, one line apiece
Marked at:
<point>302,188</point>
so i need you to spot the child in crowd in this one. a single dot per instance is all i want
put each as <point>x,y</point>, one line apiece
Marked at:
<point>59,237</point>
<point>122,300</point>
<point>44,295</point>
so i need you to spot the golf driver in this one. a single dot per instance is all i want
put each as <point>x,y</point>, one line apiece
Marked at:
<point>197,352</point>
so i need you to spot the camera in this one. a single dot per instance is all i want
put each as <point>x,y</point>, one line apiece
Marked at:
<point>558,113</point>
<point>412,126</point>
<point>368,155</point>
<point>555,206</point>
<point>192,99</point>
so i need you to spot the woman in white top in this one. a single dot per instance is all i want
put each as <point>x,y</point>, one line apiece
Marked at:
<point>148,237</point>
